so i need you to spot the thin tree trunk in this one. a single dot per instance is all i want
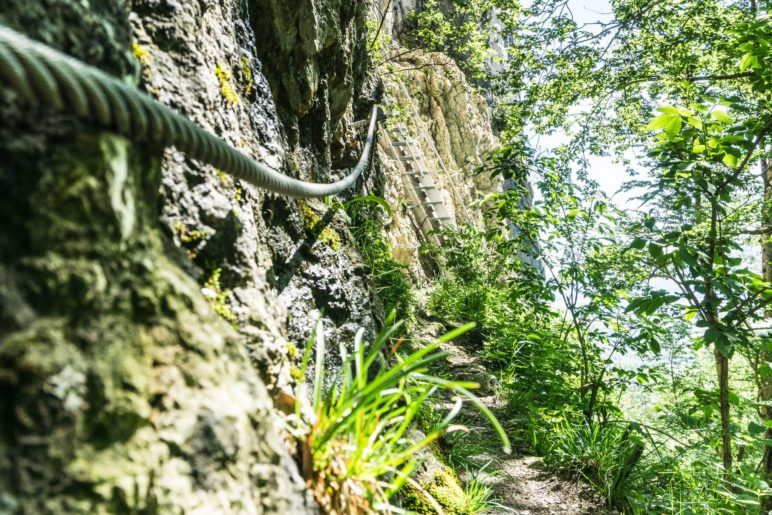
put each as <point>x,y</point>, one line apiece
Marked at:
<point>722,372</point>
<point>765,382</point>
<point>722,363</point>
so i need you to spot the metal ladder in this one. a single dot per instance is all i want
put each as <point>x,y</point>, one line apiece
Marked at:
<point>426,203</point>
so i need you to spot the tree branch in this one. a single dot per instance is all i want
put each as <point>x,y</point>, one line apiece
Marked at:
<point>696,78</point>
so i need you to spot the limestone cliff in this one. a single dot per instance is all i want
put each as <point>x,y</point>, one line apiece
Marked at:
<point>451,125</point>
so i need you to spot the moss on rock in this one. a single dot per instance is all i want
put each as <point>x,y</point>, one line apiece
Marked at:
<point>444,487</point>
<point>226,85</point>
<point>319,228</point>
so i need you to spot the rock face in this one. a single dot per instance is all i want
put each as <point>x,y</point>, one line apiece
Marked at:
<point>395,14</point>
<point>452,126</point>
<point>150,306</point>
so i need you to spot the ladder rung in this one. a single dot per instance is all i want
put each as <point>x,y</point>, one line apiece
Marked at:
<point>422,187</point>
<point>408,158</point>
<point>432,203</point>
<point>439,218</point>
<point>413,174</point>
<point>402,143</point>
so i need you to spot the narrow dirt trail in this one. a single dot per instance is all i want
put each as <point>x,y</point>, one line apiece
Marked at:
<point>521,484</point>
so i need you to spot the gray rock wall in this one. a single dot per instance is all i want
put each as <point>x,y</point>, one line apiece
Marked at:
<point>151,307</point>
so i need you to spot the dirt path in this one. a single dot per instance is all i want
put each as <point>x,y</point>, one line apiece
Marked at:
<point>521,484</point>
<point>524,486</point>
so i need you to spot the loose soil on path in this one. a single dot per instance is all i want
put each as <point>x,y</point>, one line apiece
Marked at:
<point>521,484</point>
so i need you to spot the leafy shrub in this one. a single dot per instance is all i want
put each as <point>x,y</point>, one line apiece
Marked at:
<point>389,276</point>
<point>462,29</point>
<point>604,455</point>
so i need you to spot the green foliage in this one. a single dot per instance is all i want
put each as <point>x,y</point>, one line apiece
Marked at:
<point>462,29</point>
<point>604,455</point>
<point>688,85</point>
<point>360,436</point>
<point>380,41</point>
<point>389,276</point>
<point>479,497</point>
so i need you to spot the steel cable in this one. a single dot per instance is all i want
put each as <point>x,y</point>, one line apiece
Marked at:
<point>44,76</point>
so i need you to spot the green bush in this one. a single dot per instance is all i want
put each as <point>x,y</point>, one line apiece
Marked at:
<point>604,455</point>
<point>462,29</point>
<point>389,276</point>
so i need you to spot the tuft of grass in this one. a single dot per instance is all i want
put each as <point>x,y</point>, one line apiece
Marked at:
<point>604,455</point>
<point>479,497</point>
<point>360,444</point>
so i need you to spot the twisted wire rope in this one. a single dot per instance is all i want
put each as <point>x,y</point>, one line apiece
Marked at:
<point>45,76</point>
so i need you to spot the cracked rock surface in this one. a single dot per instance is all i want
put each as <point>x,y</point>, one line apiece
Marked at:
<point>151,307</point>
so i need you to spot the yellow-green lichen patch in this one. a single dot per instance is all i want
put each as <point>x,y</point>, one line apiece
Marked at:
<point>218,297</point>
<point>445,488</point>
<point>189,238</point>
<point>225,179</point>
<point>246,75</point>
<point>226,86</point>
<point>141,53</point>
<point>227,182</point>
<point>318,228</point>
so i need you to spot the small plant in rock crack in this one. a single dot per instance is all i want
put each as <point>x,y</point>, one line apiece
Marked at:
<point>359,449</point>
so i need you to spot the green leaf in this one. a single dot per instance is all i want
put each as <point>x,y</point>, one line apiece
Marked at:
<point>455,333</point>
<point>749,61</point>
<point>712,335</point>
<point>722,117</point>
<point>730,160</point>
<point>756,429</point>
<point>695,122</point>
<point>661,122</point>
<point>374,199</point>
<point>673,126</point>
<point>655,251</point>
